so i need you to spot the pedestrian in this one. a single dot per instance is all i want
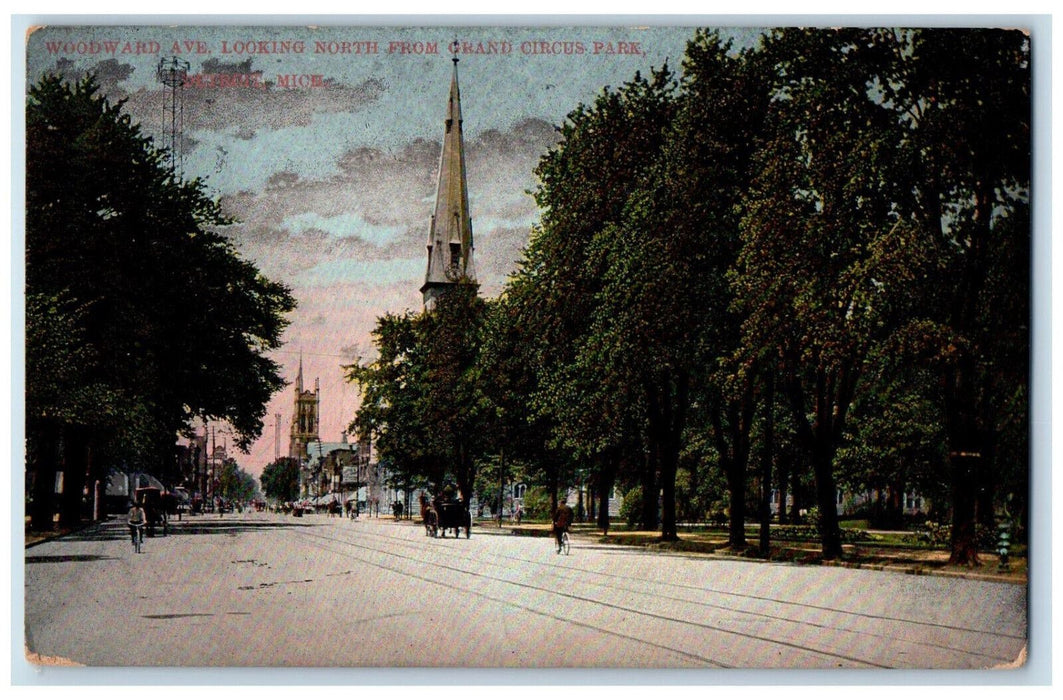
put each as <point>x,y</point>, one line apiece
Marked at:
<point>562,520</point>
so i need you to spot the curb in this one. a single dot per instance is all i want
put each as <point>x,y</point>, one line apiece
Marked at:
<point>925,571</point>
<point>910,570</point>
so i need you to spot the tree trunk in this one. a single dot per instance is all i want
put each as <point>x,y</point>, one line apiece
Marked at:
<point>784,483</point>
<point>648,481</point>
<point>965,460</point>
<point>553,479</point>
<point>605,482</point>
<point>732,445</point>
<point>832,394</point>
<point>767,457</point>
<point>667,416</point>
<point>826,499</point>
<point>75,467</point>
<point>676,427</point>
<point>736,489</point>
<point>46,438</point>
<point>964,545</point>
<point>796,496</point>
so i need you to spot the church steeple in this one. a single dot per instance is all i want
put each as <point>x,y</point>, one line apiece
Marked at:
<point>305,416</point>
<point>450,246</point>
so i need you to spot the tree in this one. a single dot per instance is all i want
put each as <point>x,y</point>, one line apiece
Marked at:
<point>585,184</point>
<point>174,324</point>
<point>454,413</point>
<point>391,386</point>
<point>812,281</point>
<point>280,480</point>
<point>897,439</point>
<point>234,483</point>
<point>963,98</point>
<point>422,402</point>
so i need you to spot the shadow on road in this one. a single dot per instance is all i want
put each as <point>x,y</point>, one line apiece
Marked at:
<point>117,530</point>
<point>61,558</point>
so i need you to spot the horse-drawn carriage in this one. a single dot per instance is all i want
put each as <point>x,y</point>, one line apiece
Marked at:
<point>444,514</point>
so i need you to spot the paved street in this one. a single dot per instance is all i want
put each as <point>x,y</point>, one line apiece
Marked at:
<point>269,590</point>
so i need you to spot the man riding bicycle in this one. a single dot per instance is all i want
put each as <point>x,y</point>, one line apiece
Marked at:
<point>137,519</point>
<point>562,520</point>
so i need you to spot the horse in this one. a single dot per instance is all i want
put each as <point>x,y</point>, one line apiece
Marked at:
<point>429,517</point>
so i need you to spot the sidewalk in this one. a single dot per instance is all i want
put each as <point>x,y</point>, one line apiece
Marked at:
<point>917,562</point>
<point>913,561</point>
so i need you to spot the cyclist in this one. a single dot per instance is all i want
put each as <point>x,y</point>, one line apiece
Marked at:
<point>562,521</point>
<point>137,519</point>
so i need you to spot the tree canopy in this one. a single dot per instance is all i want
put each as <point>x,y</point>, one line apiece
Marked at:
<point>140,314</point>
<point>814,249</point>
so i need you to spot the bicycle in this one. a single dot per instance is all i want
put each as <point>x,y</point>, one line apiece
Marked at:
<point>136,532</point>
<point>565,546</point>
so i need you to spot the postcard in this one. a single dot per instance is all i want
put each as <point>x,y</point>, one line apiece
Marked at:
<point>521,347</point>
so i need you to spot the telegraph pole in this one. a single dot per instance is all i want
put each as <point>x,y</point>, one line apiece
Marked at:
<point>277,439</point>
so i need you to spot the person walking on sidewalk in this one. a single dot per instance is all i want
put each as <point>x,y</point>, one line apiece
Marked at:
<point>562,521</point>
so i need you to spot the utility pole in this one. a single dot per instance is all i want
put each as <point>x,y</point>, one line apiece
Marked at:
<point>213,466</point>
<point>501,485</point>
<point>277,439</point>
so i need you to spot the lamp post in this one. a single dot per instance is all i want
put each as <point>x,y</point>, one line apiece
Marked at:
<point>501,483</point>
<point>213,460</point>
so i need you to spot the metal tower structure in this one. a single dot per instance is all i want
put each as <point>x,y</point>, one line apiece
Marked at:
<point>172,72</point>
<point>277,439</point>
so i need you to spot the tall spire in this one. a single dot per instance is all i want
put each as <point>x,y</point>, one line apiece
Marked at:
<point>299,377</point>
<point>450,245</point>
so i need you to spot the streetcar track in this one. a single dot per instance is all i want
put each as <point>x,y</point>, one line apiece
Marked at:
<point>440,546</point>
<point>742,596</point>
<point>519,606</point>
<point>584,599</point>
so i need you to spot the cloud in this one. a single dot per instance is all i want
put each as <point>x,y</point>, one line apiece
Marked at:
<point>110,74</point>
<point>376,205</point>
<point>344,226</point>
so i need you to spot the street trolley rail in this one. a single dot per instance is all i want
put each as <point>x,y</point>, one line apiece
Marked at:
<point>473,564</point>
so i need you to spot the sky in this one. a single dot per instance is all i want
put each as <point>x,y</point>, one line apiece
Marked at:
<point>323,142</point>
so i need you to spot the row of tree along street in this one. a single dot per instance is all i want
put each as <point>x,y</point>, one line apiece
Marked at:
<point>801,265</point>
<point>140,317</point>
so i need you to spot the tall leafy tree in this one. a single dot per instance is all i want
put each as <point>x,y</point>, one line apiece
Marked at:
<point>391,386</point>
<point>585,182</point>
<point>174,323</point>
<point>453,408</point>
<point>422,398</point>
<point>234,483</point>
<point>809,282</point>
<point>280,480</point>
<point>963,100</point>
<point>708,168</point>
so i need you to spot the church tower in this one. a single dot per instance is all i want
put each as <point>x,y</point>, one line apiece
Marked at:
<point>450,248</point>
<point>304,416</point>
